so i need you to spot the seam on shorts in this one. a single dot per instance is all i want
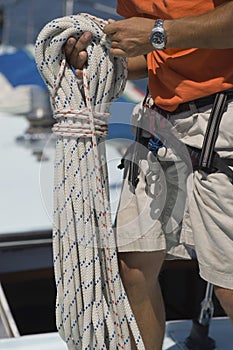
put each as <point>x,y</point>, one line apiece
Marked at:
<point>133,246</point>
<point>217,278</point>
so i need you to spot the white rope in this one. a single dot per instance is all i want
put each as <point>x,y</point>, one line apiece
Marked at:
<point>92,309</point>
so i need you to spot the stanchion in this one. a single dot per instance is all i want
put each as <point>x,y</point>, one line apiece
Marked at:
<point>199,338</point>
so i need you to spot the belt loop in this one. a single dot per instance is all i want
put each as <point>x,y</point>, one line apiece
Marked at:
<point>193,107</point>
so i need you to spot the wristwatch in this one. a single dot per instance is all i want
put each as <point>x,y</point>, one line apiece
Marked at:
<point>158,35</point>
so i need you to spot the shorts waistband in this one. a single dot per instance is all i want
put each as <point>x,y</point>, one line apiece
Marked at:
<point>198,103</point>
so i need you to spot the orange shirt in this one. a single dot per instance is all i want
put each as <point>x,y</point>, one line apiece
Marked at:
<point>180,75</point>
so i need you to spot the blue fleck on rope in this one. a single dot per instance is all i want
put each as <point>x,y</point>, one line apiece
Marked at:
<point>92,309</point>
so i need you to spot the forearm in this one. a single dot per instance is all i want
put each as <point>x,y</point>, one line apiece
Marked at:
<point>137,67</point>
<point>211,30</point>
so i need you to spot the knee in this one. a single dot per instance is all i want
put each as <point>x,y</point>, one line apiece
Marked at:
<point>140,268</point>
<point>225,297</point>
<point>131,276</point>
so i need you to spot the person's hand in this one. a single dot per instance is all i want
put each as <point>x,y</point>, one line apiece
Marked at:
<point>130,37</point>
<point>75,51</point>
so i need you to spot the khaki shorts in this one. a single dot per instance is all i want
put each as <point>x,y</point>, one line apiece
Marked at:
<point>175,209</point>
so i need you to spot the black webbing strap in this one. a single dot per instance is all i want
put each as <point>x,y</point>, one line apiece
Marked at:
<point>209,160</point>
<point>218,163</point>
<point>211,134</point>
<point>223,165</point>
<point>134,152</point>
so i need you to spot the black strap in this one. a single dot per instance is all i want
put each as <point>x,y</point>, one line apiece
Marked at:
<point>218,164</point>
<point>211,134</point>
<point>223,165</point>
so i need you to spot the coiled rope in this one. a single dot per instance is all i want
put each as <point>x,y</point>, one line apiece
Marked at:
<point>92,309</point>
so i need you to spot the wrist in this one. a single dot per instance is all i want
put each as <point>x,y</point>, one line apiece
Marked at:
<point>167,28</point>
<point>137,67</point>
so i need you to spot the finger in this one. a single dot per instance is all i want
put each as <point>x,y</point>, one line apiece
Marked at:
<point>110,29</point>
<point>83,41</point>
<point>69,46</point>
<point>116,45</point>
<point>79,74</point>
<point>110,20</point>
<point>77,45</point>
<point>78,60</point>
<point>116,52</point>
<point>75,50</point>
<point>79,55</point>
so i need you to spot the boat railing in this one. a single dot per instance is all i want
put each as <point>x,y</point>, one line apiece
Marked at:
<point>7,323</point>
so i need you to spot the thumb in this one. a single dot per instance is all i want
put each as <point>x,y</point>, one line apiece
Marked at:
<point>110,20</point>
<point>108,29</point>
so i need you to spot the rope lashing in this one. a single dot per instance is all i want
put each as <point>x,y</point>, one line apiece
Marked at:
<point>92,309</point>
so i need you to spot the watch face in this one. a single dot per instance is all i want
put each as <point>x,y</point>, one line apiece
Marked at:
<point>158,38</point>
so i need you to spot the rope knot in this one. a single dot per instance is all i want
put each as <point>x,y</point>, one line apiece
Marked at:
<point>77,123</point>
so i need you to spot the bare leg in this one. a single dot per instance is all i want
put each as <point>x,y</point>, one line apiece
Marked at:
<point>139,273</point>
<point>225,297</point>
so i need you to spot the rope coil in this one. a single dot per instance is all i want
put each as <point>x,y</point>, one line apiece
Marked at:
<point>92,309</point>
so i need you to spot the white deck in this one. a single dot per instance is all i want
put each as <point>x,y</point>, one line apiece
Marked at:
<point>26,184</point>
<point>221,330</point>
<point>21,206</point>
<point>47,341</point>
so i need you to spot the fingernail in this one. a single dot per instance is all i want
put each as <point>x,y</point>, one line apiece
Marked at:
<point>87,35</point>
<point>71,41</point>
<point>82,58</point>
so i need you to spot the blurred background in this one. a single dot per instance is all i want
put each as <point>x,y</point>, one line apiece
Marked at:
<point>23,19</point>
